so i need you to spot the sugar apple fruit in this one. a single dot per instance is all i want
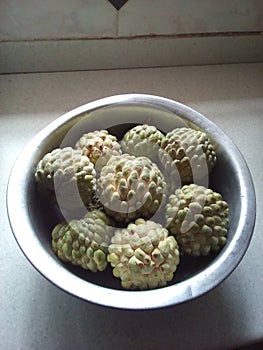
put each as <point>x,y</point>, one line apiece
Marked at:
<point>99,146</point>
<point>142,140</point>
<point>187,156</point>
<point>99,214</point>
<point>84,242</point>
<point>69,176</point>
<point>198,218</point>
<point>130,187</point>
<point>143,256</point>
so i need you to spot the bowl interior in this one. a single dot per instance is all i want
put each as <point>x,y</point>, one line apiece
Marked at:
<point>117,120</point>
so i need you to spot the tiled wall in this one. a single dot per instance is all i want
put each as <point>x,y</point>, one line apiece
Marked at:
<point>66,35</point>
<point>139,17</point>
<point>68,19</point>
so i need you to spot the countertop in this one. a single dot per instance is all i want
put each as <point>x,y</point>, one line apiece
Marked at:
<point>34,314</point>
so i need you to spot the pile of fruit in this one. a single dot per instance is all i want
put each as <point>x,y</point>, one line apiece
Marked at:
<point>126,187</point>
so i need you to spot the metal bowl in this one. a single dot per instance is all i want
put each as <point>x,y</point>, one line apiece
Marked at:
<point>32,218</point>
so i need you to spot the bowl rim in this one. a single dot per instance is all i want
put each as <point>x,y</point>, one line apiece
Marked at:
<point>180,292</point>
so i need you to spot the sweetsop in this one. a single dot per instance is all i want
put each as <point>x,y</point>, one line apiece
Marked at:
<point>68,175</point>
<point>198,218</point>
<point>142,140</point>
<point>99,146</point>
<point>143,256</point>
<point>187,155</point>
<point>84,242</point>
<point>99,214</point>
<point>130,187</point>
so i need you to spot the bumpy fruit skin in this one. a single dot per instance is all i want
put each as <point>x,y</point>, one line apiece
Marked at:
<point>99,214</point>
<point>69,176</point>
<point>130,187</point>
<point>187,154</point>
<point>142,140</point>
<point>198,218</point>
<point>99,146</point>
<point>143,256</point>
<point>84,242</point>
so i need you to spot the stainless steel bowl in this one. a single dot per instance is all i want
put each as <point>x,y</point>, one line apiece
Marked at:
<point>32,217</point>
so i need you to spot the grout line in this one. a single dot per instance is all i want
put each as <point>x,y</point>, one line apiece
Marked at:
<point>186,35</point>
<point>128,68</point>
<point>117,25</point>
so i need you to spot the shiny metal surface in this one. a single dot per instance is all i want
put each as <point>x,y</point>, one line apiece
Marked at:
<point>32,219</point>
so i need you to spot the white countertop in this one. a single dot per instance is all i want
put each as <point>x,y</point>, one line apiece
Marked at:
<point>34,314</point>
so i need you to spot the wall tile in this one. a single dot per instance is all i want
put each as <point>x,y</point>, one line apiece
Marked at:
<point>38,19</point>
<point>71,55</point>
<point>64,19</point>
<point>144,17</point>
